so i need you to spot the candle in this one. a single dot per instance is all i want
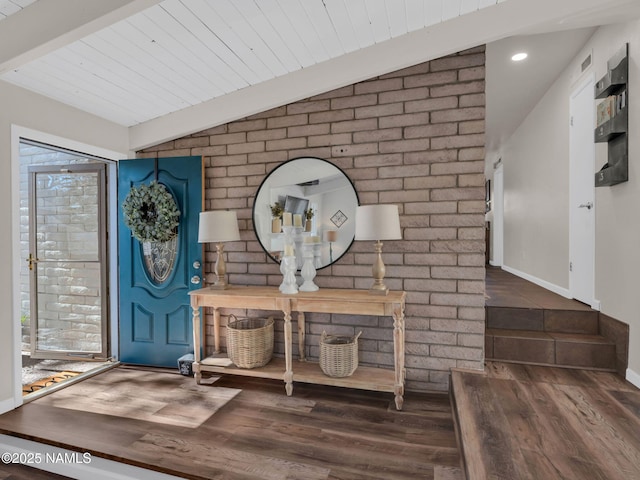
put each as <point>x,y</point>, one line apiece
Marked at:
<point>297,220</point>
<point>288,250</point>
<point>286,219</point>
<point>309,239</point>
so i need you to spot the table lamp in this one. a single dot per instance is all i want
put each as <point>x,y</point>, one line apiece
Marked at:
<point>378,222</point>
<point>218,226</point>
<point>332,237</point>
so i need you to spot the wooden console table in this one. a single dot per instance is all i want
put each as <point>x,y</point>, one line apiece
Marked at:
<point>325,300</point>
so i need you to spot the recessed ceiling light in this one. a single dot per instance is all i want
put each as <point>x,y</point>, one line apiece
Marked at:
<point>518,57</point>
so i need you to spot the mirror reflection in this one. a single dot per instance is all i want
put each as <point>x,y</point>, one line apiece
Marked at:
<point>317,199</point>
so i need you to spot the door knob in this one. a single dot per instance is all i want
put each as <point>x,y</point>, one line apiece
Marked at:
<point>587,205</point>
<point>196,264</point>
<point>195,279</point>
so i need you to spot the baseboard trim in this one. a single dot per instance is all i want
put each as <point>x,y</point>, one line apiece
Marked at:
<point>633,377</point>
<point>74,464</point>
<point>7,405</point>
<point>564,292</point>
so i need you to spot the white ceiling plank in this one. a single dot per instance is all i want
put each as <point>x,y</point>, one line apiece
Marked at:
<point>487,3</point>
<point>360,21</point>
<point>130,55</point>
<point>129,80</point>
<point>415,14</point>
<point>469,6</point>
<point>23,3</point>
<point>120,37</point>
<point>233,40</point>
<point>173,56</point>
<point>63,66</point>
<point>166,62</point>
<point>377,13</point>
<point>305,29</point>
<point>324,28</point>
<point>238,73</point>
<point>45,26</point>
<point>42,83</point>
<point>238,23</point>
<point>8,8</point>
<point>269,38</point>
<point>170,35</point>
<point>433,11</point>
<point>276,17</point>
<point>339,17</point>
<point>450,9</point>
<point>397,17</point>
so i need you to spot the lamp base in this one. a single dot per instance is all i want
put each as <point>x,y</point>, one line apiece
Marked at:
<point>378,290</point>
<point>219,286</point>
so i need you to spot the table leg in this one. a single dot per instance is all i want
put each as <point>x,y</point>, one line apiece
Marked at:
<point>301,338</point>
<point>216,330</point>
<point>288,374</point>
<point>196,341</point>
<point>398,353</point>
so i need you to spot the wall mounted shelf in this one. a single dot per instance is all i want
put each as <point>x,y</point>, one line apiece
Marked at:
<point>613,119</point>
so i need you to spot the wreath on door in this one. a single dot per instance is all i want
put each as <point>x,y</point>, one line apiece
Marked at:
<point>150,211</point>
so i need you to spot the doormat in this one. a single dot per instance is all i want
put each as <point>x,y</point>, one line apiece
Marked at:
<point>47,382</point>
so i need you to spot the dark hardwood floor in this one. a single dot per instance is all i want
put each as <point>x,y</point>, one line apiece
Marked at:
<point>243,428</point>
<point>544,423</point>
<point>503,289</point>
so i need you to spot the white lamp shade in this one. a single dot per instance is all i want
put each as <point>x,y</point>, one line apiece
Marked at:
<point>218,226</point>
<point>378,222</point>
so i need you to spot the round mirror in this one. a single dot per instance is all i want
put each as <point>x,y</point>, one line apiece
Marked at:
<point>317,199</point>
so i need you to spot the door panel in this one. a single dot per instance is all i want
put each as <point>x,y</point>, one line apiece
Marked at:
<point>69,314</point>
<point>582,194</point>
<point>155,278</point>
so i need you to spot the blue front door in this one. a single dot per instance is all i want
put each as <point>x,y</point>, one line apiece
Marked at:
<point>155,277</point>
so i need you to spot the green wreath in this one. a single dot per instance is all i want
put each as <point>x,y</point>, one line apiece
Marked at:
<point>151,213</point>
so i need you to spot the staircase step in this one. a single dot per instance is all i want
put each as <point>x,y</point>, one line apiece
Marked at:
<point>521,346</point>
<point>571,321</point>
<point>550,348</point>
<point>515,318</point>
<point>543,320</point>
<point>586,351</point>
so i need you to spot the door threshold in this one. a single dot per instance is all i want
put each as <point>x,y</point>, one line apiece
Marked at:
<point>59,386</point>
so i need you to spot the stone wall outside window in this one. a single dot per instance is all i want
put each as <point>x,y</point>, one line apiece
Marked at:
<point>70,297</point>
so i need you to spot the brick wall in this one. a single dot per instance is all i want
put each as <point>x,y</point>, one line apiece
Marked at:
<point>414,138</point>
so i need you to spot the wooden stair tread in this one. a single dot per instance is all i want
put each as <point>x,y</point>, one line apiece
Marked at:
<point>504,332</point>
<point>537,335</point>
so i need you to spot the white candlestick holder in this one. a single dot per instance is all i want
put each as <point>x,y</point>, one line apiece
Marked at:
<point>298,238</point>
<point>289,267</point>
<point>308,270</point>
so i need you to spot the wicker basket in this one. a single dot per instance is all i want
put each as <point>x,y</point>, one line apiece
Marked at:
<point>338,355</point>
<point>250,341</point>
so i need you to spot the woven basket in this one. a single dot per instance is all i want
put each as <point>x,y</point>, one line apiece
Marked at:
<point>338,355</point>
<point>250,341</point>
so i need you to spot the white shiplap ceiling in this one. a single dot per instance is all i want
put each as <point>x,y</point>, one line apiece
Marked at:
<point>181,53</point>
<point>9,7</point>
<point>169,68</point>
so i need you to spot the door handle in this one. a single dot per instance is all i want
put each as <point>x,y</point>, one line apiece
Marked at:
<point>195,279</point>
<point>587,205</point>
<point>32,261</point>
